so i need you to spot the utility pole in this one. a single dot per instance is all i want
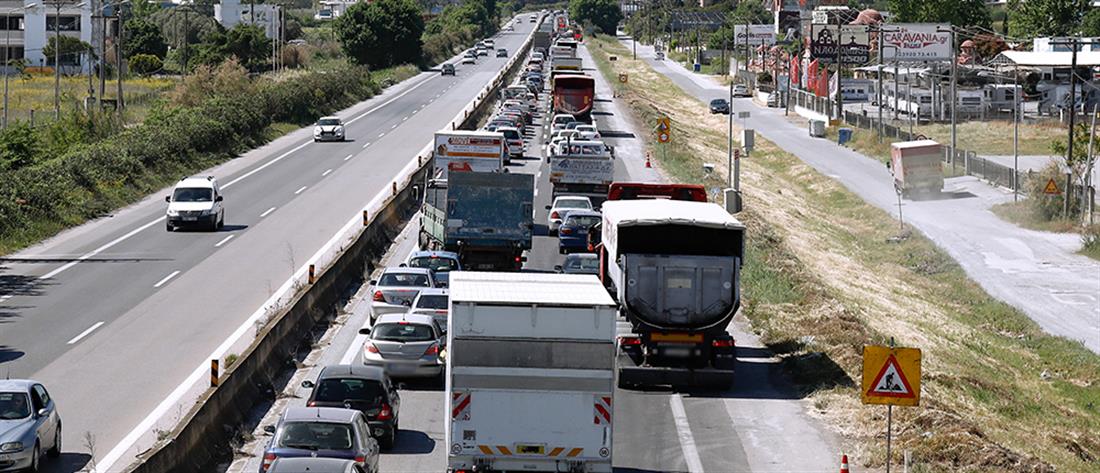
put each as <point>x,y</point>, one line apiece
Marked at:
<point>7,59</point>
<point>955,99</point>
<point>1073,43</point>
<point>102,53</point>
<point>118,55</point>
<point>1016,134</point>
<point>1087,197</point>
<point>839,66</point>
<point>729,140</point>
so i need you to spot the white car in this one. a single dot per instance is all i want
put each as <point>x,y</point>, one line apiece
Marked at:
<point>560,121</point>
<point>329,129</point>
<point>469,60</point>
<point>740,91</point>
<point>515,141</point>
<point>195,202</point>
<point>489,42</point>
<point>588,129</point>
<point>563,205</point>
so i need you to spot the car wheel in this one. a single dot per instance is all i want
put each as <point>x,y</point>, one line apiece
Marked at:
<point>56,450</point>
<point>34,459</point>
<point>387,442</point>
<point>221,221</point>
<point>169,227</point>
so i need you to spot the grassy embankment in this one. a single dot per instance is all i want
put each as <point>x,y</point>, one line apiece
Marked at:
<point>826,274</point>
<point>36,92</point>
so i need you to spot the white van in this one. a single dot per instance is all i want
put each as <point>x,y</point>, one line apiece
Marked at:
<point>195,202</point>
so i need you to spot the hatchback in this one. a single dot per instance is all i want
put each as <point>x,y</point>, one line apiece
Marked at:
<point>406,345</point>
<point>447,70</point>
<point>314,465</point>
<point>440,262</point>
<point>433,302</point>
<point>29,425</point>
<point>366,389</point>
<point>322,432</point>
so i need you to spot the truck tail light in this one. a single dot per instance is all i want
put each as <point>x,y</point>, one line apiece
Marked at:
<point>629,341</point>
<point>371,348</point>
<point>432,350</point>
<point>378,297</point>
<point>722,343</point>
<point>385,413</point>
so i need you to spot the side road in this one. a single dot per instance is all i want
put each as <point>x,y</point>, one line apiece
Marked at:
<point>1037,272</point>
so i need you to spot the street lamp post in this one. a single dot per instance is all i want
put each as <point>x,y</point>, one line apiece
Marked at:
<point>7,59</point>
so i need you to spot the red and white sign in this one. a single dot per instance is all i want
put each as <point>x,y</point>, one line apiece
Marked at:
<point>602,410</point>
<point>916,42</point>
<point>460,402</point>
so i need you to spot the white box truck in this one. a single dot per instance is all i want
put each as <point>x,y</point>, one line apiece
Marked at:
<point>530,373</point>
<point>461,150</point>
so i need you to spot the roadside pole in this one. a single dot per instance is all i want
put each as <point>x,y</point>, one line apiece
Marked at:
<point>881,48</point>
<point>1087,205</point>
<point>954,103</point>
<point>891,376</point>
<point>1016,134</point>
<point>839,68</point>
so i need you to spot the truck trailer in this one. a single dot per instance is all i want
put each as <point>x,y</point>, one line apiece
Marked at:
<point>917,167</point>
<point>462,150</point>
<point>573,94</point>
<point>530,373</point>
<point>674,266</point>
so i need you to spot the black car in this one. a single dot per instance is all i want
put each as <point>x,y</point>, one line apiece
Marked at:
<point>720,106</point>
<point>447,70</point>
<point>502,52</point>
<point>364,388</point>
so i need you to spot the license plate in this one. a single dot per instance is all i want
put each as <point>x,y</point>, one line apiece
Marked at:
<point>677,337</point>
<point>678,352</point>
<point>399,368</point>
<point>190,219</point>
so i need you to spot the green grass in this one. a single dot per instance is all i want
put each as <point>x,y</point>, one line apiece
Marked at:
<point>999,394</point>
<point>1023,214</point>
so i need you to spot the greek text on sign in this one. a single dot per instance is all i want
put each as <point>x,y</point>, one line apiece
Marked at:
<point>891,376</point>
<point>854,44</point>
<point>916,41</point>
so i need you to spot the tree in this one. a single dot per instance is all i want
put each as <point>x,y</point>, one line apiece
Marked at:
<point>604,14</point>
<point>245,42</point>
<point>70,47</point>
<point>956,12</point>
<point>382,33</point>
<point>145,64</point>
<point>1033,18</point>
<point>752,13</point>
<point>144,37</point>
<point>1090,24</point>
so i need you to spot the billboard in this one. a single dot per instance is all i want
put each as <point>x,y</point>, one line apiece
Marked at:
<point>757,34</point>
<point>789,24</point>
<point>916,42</point>
<point>854,44</point>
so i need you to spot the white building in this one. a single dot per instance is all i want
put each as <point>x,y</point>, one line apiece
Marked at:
<point>1043,45</point>
<point>26,31</point>
<point>230,13</point>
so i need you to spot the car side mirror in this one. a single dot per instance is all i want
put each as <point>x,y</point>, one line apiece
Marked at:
<point>403,265</point>
<point>307,384</point>
<point>269,429</point>
<point>547,207</point>
<point>372,282</point>
<point>168,198</point>
<point>364,331</point>
<point>43,412</point>
<point>557,268</point>
<point>219,198</point>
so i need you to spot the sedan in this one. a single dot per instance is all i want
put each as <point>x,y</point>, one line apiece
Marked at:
<point>322,432</point>
<point>580,263</point>
<point>469,60</point>
<point>440,262</point>
<point>328,129</point>
<point>396,288</point>
<point>29,425</point>
<point>720,106</point>
<point>366,389</point>
<point>433,302</point>
<point>573,233</point>
<point>502,52</point>
<point>561,206</point>
<point>406,345</point>
<point>741,91</point>
<point>447,70</point>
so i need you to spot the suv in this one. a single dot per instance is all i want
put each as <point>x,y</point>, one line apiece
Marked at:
<point>196,201</point>
<point>447,70</point>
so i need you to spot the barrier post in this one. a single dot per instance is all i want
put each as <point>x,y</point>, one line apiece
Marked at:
<point>214,373</point>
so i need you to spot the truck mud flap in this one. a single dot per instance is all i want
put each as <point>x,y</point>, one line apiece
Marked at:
<point>633,376</point>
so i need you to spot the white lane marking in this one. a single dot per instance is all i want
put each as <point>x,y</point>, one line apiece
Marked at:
<point>382,134</point>
<point>266,212</point>
<point>299,191</point>
<point>687,441</point>
<point>394,126</point>
<point>406,118</point>
<point>368,112</point>
<point>224,241</point>
<point>265,165</point>
<point>536,191</point>
<point>326,173</point>
<point>85,333</point>
<point>348,157</point>
<point>166,278</point>
<point>99,250</point>
<point>366,144</point>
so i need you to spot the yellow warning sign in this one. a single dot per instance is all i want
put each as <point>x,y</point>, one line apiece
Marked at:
<point>1052,188</point>
<point>891,376</point>
<point>664,129</point>
<point>623,78</point>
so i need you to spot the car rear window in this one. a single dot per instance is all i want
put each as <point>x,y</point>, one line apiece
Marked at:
<point>316,436</point>
<point>582,264</point>
<point>583,221</point>
<point>402,332</point>
<point>573,204</point>
<point>14,406</point>
<point>511,134</point>
<point>434,262</point>
<point>193,194</point>
<point>432,302</point>
<point>404,279</point>
<point>349,389</point>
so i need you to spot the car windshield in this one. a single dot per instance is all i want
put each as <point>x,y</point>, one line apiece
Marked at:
<point>511,134</point>
<point>328,121</point>
<point>561,120</point>
<point>434,262</point>
<point>717,102</point>
<point>193,194</point>
<point>432,302</point>
<point>14,406</point>
<point>402,332</point>
<point>583,221</point>
<point>573,204</point>
<point>582,264</point>
<point>404,279</point>
<point>349,389</point>
<point>572,125</point>
<point>315,436</point>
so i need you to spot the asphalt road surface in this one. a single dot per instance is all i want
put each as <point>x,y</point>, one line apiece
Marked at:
<point>112,316</point>
<point>758,425</point>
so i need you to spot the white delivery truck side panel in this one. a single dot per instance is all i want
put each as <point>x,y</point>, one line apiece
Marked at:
<point>460,150</point>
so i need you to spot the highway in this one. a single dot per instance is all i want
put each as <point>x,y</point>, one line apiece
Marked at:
<point>114,315</point>
<point>758,425</point>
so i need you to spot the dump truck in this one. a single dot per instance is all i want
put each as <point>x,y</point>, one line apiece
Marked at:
<point>487,218</point>
<point>917,167</point>
<point>674,266</point>
<point>462,150</point>
<point>573,94</point>
<point>530,373</point>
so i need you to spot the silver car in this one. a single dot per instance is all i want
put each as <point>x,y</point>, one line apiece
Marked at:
<point>396,288</point>
<point>433,302</point>
<point>406,346</point>
<point>29,425</point>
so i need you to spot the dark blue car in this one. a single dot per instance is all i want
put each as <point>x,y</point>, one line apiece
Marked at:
<point>323,432</point>
<point>573,233</point>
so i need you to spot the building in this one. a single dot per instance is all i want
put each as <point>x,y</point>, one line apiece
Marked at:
<point>27,31</point>
<point>230,13</point>
<point>1043,45</point>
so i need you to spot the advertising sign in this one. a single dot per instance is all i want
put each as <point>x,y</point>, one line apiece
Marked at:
<point>916,42</point>
<point>788,24</point>
<point>588,170</point>
<point>854,44</point>
<point>757,34</point>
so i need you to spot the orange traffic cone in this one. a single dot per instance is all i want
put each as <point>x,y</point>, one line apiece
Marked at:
<point>843,463</point>
<point>647,163</point>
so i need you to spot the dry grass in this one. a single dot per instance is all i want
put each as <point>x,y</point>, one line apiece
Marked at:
<point>1023,214</point>
<point>36,92</point>
<point>998,393</point>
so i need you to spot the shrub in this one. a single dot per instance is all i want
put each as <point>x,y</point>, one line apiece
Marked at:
<point>145,64</point>
<point>1047,207</point>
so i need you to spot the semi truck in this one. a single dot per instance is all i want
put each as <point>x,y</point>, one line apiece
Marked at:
<point>917,167</point>
<point>487,218</point>
<point>462,150</point>
<point>674,266</point>
<point>573,94</point>
<point>530,373</point>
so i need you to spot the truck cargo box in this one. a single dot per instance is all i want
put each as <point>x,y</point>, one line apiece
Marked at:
<point>917,167</point>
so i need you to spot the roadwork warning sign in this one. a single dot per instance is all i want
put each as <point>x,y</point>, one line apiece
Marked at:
<point>1051,188</point>
<point>891,376</point>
